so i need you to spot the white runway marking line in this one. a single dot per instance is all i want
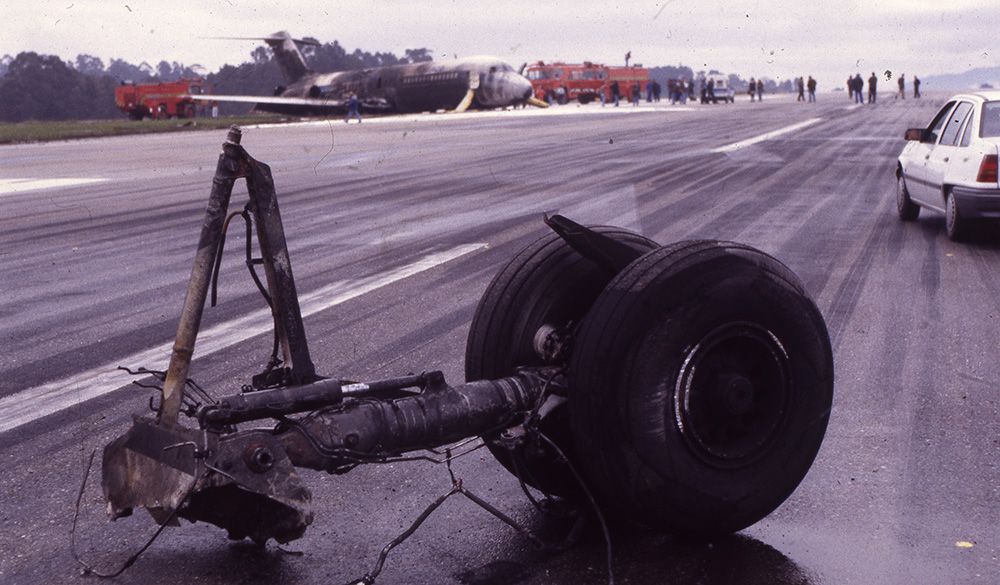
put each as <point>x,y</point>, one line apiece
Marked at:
<point>34,403</point>
<point>10,186</point>
<point>766,136</point>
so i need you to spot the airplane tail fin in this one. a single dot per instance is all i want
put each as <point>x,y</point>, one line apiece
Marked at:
<point>286,51</point>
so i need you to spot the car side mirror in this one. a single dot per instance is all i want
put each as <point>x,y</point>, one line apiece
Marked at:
<point>915,134</point>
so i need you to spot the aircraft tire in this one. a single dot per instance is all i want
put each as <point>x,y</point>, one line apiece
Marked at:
<point>547,283</point>
<point>702,382</point>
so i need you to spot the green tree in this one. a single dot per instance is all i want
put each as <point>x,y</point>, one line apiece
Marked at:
<point>43,87</point>
<point>122,70</point>
<point>89,65</point>
<point>36,88</point>
<point>418,55</point>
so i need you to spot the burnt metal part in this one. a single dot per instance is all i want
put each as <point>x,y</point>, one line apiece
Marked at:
<point>277,402</point>
<point>228,169</point>
<point>153,467</point>
<point>234,163</point>
<point>252,490</point>
<point>368,430</point>
<point>243,482</point>
<point>278,271</point>
<point>608,253</point>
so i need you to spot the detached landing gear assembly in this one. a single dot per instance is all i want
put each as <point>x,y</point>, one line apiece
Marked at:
<point>685,388</point>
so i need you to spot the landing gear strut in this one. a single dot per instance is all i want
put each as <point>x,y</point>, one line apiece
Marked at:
<point>689,384</point>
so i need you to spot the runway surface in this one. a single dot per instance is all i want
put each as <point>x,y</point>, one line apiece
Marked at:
<point>395,228</point>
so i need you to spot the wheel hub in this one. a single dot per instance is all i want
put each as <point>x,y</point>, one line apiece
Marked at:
<point>732,394</point>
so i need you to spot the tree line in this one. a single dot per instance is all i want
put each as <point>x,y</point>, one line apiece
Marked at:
<point>44,87</point>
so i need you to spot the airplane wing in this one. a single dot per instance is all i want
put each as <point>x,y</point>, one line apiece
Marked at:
<point>295,106</point>
<point>276,100</point>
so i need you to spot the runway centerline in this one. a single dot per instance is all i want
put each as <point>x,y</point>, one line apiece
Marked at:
<point>765,136</point>
<point>11,186</point>
<point>34,403</point>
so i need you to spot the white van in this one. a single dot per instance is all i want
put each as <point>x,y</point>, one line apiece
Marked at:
<point>722,90</point>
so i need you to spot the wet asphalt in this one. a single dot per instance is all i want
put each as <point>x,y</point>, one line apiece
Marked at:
<point>906,488</point>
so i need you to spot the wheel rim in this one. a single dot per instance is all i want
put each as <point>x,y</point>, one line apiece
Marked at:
<point>732,394</point>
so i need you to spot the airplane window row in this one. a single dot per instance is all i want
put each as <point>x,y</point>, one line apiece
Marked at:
<point>432,77</point>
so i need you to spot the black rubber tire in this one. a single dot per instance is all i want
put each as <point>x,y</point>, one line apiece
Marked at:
<point>955,225</point>
<point>657,430</point>
<point>905,207</point>
<point>546,283</point>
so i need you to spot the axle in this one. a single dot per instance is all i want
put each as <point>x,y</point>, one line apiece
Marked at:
<point>245,481</point>
<point>365,430</point>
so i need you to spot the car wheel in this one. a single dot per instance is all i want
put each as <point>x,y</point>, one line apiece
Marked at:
<point>907,209</point>
<point>549,284</point>
<point>955,225</point>
<point>701,386</point>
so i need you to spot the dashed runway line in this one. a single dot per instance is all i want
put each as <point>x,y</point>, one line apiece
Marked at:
<point>12,186</point>
<point>766,136</point>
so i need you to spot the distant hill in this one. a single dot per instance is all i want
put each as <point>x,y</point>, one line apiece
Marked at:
<point>968,80</point>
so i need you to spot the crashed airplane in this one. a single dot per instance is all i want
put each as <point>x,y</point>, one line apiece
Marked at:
<point>473,82</point>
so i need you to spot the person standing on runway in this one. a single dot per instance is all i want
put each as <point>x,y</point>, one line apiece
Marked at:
<point>760,90</point>
<point>916,87</point>
<point>902,85</point>
<point>872,88</point>
<point>801,86</point>
<point>811,86</point>
<point>353,109</point>
<point>753,88</point>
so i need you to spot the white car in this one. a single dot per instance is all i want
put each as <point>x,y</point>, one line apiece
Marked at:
<point>951,165</point>
<point>721,91</point>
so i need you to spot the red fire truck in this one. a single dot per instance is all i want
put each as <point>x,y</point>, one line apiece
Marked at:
<point>583,82</point>
<point>160,100</point>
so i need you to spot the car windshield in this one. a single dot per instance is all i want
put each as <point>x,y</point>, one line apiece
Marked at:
<point>990,126</point>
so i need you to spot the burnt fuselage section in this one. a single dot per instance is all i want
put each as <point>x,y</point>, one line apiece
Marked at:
<point>418,87</point>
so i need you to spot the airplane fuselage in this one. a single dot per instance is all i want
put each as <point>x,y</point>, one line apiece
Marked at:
<point>418,87</point>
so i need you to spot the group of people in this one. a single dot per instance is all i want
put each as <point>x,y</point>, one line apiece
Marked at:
<point>680,90</point>
<point>902,86</point>
<point>802,86</point>
<point>653,92</point>
<point>856,85</point>
<point>756,89</point>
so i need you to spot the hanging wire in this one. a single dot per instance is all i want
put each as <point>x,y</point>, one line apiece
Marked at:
<point>192,399</point>
<point>531,419</point>
<point>89,569</point>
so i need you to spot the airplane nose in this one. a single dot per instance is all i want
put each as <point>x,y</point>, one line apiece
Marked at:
<point>523,86</point>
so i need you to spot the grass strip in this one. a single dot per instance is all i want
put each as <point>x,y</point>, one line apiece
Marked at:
<point>11,133</point>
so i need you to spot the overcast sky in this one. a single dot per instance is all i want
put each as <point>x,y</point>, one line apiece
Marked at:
<point>774,38</point>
